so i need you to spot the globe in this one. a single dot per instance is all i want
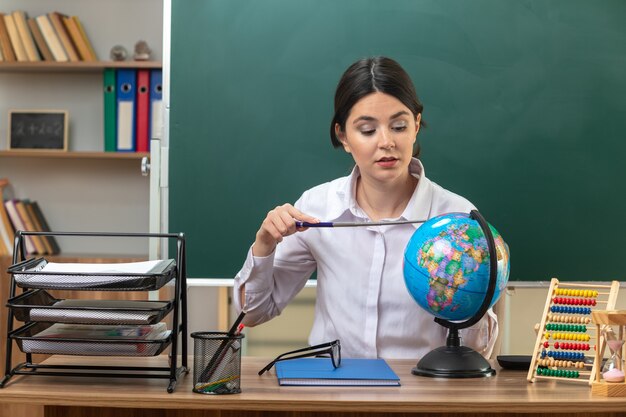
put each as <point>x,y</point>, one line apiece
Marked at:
<point>446,266</point>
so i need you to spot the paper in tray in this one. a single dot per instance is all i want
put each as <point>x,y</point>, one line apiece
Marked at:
<point>39,273</point>
<point>93,340</point>
<point>39,305</point>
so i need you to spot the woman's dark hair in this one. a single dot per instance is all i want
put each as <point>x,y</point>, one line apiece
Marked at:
<point>370,75</point>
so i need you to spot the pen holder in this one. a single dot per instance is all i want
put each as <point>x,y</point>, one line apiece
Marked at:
<point>217,363</point>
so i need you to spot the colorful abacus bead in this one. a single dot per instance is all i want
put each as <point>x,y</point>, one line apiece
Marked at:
<point>561,373</point>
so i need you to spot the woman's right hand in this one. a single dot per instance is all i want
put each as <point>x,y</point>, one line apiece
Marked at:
<point>278,223</point>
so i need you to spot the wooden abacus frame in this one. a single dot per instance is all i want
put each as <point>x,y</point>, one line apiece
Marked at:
<point>572,292</point>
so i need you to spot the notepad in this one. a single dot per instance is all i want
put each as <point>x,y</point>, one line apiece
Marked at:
<point>320,372</point>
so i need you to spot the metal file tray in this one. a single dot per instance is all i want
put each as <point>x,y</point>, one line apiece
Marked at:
<point>40,306</point>
<point>30,274</point>
<point>29,340</point>
<point>91,326</point>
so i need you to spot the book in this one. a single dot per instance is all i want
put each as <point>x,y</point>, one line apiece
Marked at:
<point>5,42</point>
<point>16,41</point>
<point>39,40</point>
<point>18,224</point>
<point>77,38</point>
<point>45,228</point>
<point>351,372</point>
<point>3,249</point>
<point>56,19</point>
<point>7,233</point>
<point>81,28</point>
<point>47,247</point>
<point>25,35</point>
<point>52,40</point>
<point>29,227</point>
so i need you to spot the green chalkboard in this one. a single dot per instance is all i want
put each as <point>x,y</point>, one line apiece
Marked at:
<point>525,103</point>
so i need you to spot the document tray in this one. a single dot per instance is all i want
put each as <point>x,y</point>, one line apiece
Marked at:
<point>28,339</point>
<point>32,273</point>
<point>40,306</point>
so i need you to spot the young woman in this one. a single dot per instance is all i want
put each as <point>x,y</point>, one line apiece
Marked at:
<point>361,296</point>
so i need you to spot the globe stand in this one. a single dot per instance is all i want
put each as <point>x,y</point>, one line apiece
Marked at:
<point>454,360</point>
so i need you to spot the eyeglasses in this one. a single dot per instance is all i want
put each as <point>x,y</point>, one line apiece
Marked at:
<point>331,348</point>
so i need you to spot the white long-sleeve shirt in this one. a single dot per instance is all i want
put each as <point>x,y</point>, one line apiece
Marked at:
<point>361,295</point>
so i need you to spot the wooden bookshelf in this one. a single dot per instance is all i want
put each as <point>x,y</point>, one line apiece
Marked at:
<point>47,66</point>
<point>72,154</point>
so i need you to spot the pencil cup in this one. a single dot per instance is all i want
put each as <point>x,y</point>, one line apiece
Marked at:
<point>217,363</point>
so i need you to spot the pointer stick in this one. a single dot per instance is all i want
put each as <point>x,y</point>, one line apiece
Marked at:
<point>355,224</point>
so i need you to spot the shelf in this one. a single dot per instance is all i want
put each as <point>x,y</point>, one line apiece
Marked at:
<point>73,155</point>
<point>47,66</point>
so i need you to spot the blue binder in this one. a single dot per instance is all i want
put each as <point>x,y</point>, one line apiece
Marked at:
<point>156,104</point>
<point>126,106</point>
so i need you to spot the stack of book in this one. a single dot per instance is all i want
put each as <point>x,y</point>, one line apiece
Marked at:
<point>132,109</point>
<point>50,37</point>
<point>25,215</point>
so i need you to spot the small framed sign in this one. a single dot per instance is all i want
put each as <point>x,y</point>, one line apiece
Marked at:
<point>38,130</point>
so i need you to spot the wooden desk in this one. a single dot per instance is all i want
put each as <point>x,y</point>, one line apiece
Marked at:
<point>507,392</point>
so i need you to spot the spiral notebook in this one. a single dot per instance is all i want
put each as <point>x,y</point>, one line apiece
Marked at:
<point>320,372</point>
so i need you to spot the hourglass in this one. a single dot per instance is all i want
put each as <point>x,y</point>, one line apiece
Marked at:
<point>609,381</point>
<point>613,369</point>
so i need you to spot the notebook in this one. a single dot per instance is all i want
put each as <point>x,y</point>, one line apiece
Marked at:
<point>320,371</point>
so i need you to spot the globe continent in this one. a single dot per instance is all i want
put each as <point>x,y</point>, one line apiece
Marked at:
<point>446,266</point>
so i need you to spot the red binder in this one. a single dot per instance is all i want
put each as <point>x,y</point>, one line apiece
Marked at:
<point>143,111</point>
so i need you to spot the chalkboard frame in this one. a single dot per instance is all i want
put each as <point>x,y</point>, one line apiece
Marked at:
<point>54,143</point>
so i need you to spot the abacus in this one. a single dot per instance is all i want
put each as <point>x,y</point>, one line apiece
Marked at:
<point>566,338</point>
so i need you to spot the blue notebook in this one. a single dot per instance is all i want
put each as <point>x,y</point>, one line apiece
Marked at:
<point>320,371</point>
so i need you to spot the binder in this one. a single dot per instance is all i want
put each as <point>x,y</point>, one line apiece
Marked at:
<point>142,128</point>
<point>126,87</point>
<point>351,372</point>
<point>110,117</point>
<point>156,103</point>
